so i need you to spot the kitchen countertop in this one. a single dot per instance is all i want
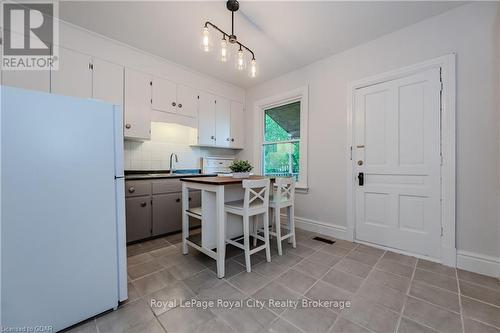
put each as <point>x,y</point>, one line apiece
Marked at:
<point>222,180</point>
<point>159,174</point>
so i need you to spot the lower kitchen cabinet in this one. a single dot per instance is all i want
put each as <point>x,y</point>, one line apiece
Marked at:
<point>167,212</point>
<point>138,217</point>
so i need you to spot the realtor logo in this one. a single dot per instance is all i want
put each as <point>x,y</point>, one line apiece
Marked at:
<point>29,36</point>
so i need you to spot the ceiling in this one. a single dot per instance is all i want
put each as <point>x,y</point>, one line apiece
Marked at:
<point>284,35</point>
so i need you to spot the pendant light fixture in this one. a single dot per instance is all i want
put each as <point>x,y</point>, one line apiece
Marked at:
<point>240,60</point>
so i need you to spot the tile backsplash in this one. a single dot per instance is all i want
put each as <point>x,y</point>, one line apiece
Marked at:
<point>166,139</point>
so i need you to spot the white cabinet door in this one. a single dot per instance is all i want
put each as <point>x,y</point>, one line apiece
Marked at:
<point>206,119</point>
<point>137,107</point>
<point>237,125</point>
<point>187,101</point>
<point>164,95</point>
<point>107,81</point>
<point>74,76</point>
<point>222,122</point>
<point>32,80</point>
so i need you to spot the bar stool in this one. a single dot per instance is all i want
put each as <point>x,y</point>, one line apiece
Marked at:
<point>283,197</point>
<point>254,203</point>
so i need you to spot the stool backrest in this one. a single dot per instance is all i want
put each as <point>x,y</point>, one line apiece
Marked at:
<point>256,193</point>
<point>284,189</point>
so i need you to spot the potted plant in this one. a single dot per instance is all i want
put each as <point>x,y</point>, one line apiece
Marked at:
<point>241,169</point>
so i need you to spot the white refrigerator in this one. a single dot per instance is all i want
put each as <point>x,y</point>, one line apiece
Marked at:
<point>63,250</point>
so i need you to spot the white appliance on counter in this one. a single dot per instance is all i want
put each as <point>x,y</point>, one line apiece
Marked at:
<point>62,209</point>
<point>216,164</point>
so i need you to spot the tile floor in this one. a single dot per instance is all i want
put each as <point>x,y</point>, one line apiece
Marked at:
<point>388,292</point>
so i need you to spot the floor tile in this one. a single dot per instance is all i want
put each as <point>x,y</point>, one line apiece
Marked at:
<point>186,270</point>
<point>311,243</point>
<point>409,326</point>
<point>481,311</point>
<point>246,319</point>
<point>390,280</point>
<point>155,244</point>
<point>125,317</point>
<point>163,251</point>
<point>480,293</point>
<point>153,282</point>
<point>223,291</point>
<point>395,268</point>
<point>270,269</point>
<point>388,297</point>
<point>282,326</point>
<point>184,319</point>
<point>401,258</point>
<point>441,320</point>
<point>483,280</point>
<point>286,259</point>
<point>335,250</point>
<point>215,325</point>
<point>86,327</point>
<point>371,316</point>
<point>255,258</point>
<point>345,326</point>
<point>231,268</point>
<point>152,326</point>
<point>133,294</point>
<point>436,296</point>
<point>204,280</point>
<point>249,282</point>
<point>311,319</point>
<point>472,326</point>
<point>301,251</point>
<point>139,259</point>
<point>161,301</point>
<point>345,244</point>
<point>353,267</point>
<point>370,250</point>
<point>363,258</point>
<point>324,258</point>
<point>272,294</point>
<point>435,267</point>
<point>296,281</point>
<point>438,280</point>
<point>143,269</point>
<point>325,291</point>
<point>343,280</point>
<point>311,268</point>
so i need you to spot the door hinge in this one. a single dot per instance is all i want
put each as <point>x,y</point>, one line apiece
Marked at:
<point>441,157</point>
<point>150,83</point>
<point>151,201</point>
<point>351,152</point>
<point>442,233</point>
<point>91,66</point>
<point>151,101</point>
<point>198,97</point>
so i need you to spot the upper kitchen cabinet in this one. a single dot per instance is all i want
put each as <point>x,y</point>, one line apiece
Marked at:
<point>206,120</point>
<point>222,122</point>
<point>107,81</point>
<point>74,75</point>
<point>137,105</point>
<point>237,125</point>
<point>168,96</point>
<point>32,80</point>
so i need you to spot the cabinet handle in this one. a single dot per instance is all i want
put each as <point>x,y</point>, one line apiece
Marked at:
<point>228,139</point>
<point>177,200</point>
<point>127,126</point>
<point>174,104</point>
<point>143,204</point>
<point>190,199</point>
<point>180,105</point>
<point>232,139</point>
<point>212,137</point>
<point>131,189</point>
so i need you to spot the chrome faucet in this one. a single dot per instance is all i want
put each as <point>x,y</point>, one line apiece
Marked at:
<point>172,164</point>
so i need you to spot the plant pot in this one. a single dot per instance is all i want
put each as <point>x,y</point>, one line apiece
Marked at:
<point>241,174</point>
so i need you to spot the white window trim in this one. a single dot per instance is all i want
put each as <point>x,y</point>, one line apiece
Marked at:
<point>300,94</point>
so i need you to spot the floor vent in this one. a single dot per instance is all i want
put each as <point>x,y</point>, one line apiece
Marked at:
<point>324,240</point>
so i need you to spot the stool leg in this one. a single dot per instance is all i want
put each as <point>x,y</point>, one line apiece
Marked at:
<point>277,212</point>
<point>246,240</point>
<point>255,229</point>
<point>266,236</point>
<point>291,217</point>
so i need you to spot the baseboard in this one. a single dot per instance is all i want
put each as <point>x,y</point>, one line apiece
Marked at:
<point>328,229</point>
<point>478,263</point>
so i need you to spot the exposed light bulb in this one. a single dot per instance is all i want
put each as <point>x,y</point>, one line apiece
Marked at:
<point>224,52</point>
<point>205,40</point>
<point>253,68</point>
<point>240,60</point>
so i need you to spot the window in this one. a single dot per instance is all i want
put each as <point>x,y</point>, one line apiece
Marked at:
<point>281,145</point>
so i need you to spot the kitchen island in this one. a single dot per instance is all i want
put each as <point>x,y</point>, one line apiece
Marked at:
<point>215,191</point>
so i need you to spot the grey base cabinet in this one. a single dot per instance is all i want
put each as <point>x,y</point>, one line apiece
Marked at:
<point>167,212</point>
<point>138,218</point>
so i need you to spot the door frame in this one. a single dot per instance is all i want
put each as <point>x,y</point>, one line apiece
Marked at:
<point>448,149</point>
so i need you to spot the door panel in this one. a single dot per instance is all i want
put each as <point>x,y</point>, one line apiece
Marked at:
<point>138,218</point>
<point>397,138</point>
<point>164,95</point>
<point>107,81</point>
<point>237,125</point>
<point>74,76</point>
<point>137,105</point>
<point>223,122</point>
<point>187,101</point>
<point>206,119</point>
<point>167,210</point>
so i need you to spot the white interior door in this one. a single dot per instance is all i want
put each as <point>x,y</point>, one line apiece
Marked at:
<point>397,150</point>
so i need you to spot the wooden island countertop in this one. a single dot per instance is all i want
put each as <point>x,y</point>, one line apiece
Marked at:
<point>221,180</point>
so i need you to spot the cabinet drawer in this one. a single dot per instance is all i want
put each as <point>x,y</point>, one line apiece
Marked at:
<point>137,188</point>
<point>167,186</point>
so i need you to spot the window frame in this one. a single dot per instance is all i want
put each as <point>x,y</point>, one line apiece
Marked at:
<point>297,95</point>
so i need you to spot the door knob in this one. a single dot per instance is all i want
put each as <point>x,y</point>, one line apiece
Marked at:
<point>127,126</point>
<point>131,189</point>
<point>177,200</point>
<point>143,204</point>
<point>174,104</point>
<point>179,105</point>
<point>361,179</point>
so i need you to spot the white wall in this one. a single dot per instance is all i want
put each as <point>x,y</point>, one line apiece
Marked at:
<point>169,133</point>
<point>470,32</point>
